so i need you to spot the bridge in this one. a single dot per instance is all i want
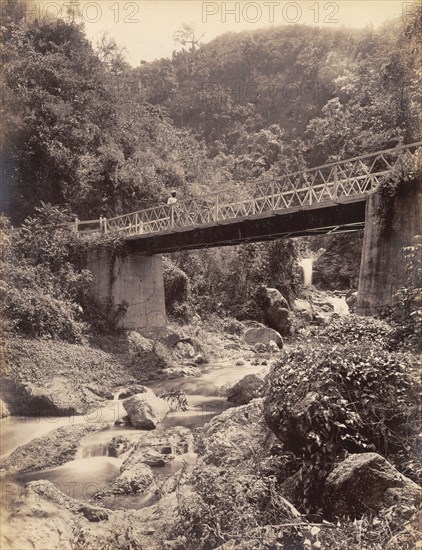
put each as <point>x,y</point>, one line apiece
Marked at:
<point>330,198</point>
<point>327,198</point>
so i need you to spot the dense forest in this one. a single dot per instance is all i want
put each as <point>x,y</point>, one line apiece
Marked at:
<point>87,133</point>
<point>84,130</point>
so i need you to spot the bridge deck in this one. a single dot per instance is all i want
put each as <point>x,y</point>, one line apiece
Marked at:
<point>331,218</point>
<point>325,198</point>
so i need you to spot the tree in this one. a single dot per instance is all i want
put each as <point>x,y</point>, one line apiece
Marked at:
<point>375,105</point>
<point>57,110</point>
<point>78,131</point>
<point>186,35</point>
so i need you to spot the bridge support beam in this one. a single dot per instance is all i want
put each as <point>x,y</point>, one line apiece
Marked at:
<point>130,287</point>
<point>383,270</point>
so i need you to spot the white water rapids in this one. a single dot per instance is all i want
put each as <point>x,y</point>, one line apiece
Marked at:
<point>92,469</point>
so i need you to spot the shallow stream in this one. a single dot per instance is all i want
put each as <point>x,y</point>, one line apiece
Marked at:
<point>92,469</point>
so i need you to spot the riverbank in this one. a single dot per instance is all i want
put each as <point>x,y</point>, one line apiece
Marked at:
<point>76,378</point>
<point>59,377</point>
<point>216,475</point>
<point>64,468</point>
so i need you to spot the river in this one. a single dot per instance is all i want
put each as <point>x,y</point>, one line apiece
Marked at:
<point>92,469</point>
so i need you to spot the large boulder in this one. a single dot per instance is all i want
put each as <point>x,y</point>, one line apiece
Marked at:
<point>272,347</point>
<point>128,391</point>
<point>351,300</point>
<point>53,449</point>
<point>135,478</point>
<point>185,349</point>
<point>304,309</point>
<point>248,388</point>
<point>40,516</point>
<point>118,445</point>
<point>367,483</point>
<point>293,425</point>
<point>150,449</point>
<point>262,335</point>
<point>159,447</point>
<point>233,436</point>
<point>54,398</point>
<point>138,343</point>
<point>146,410</point>
<point>275,308</point>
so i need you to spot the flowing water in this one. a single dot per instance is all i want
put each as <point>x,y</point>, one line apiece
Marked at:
<point>339,304</point>
<point>306,264</point>
<point>79,478</point>
<point>92,469</point>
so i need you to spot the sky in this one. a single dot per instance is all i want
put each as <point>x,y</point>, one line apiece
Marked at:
<point>145,28</point>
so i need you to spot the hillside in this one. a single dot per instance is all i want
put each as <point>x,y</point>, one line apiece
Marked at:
<point>293,82</point>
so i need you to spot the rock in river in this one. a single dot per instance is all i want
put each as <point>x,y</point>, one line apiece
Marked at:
<point>276,309</point>
<point>263,335</point>
<point>233,436</point>
<point>53,449</point>
<point>146,410</point>
<point>135,478</point>
<point>249,387</point>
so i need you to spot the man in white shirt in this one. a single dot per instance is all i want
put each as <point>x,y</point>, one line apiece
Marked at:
<point>171,201</point>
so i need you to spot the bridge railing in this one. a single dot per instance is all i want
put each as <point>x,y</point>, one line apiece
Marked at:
<point>336,181</point>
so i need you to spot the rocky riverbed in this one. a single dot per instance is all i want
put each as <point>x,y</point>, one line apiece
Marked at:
<point>77,473</point>
<point>81,476</point>
<point>216,458</point>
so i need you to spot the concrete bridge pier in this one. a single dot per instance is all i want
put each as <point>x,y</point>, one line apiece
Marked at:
<point>130,287</point>
<point>383,269</point>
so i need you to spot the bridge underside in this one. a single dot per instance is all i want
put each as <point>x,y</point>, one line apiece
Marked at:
<point>314,220</point>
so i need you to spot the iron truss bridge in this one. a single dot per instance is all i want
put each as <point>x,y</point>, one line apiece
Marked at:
<point>345,182</point>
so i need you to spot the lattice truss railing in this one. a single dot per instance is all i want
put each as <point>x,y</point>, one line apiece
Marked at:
<point>352,178</point>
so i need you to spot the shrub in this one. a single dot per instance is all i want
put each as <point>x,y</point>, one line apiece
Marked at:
<point>45,290</point>
<point>34,313</point>
<point>407,310</point>
<point>45,238</point>
<point>325,401</point>
<point>355,329</point>
<point>176,398</point>
<point>228,505</point>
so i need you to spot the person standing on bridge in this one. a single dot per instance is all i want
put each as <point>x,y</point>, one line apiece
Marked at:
<point>171,201</point>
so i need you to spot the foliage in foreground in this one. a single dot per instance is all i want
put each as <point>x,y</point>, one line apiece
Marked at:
<point>361,398</point>
<point>353,399</point>
<point>407,310</point>
<point>229,504</point>
<point>356,329</point>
